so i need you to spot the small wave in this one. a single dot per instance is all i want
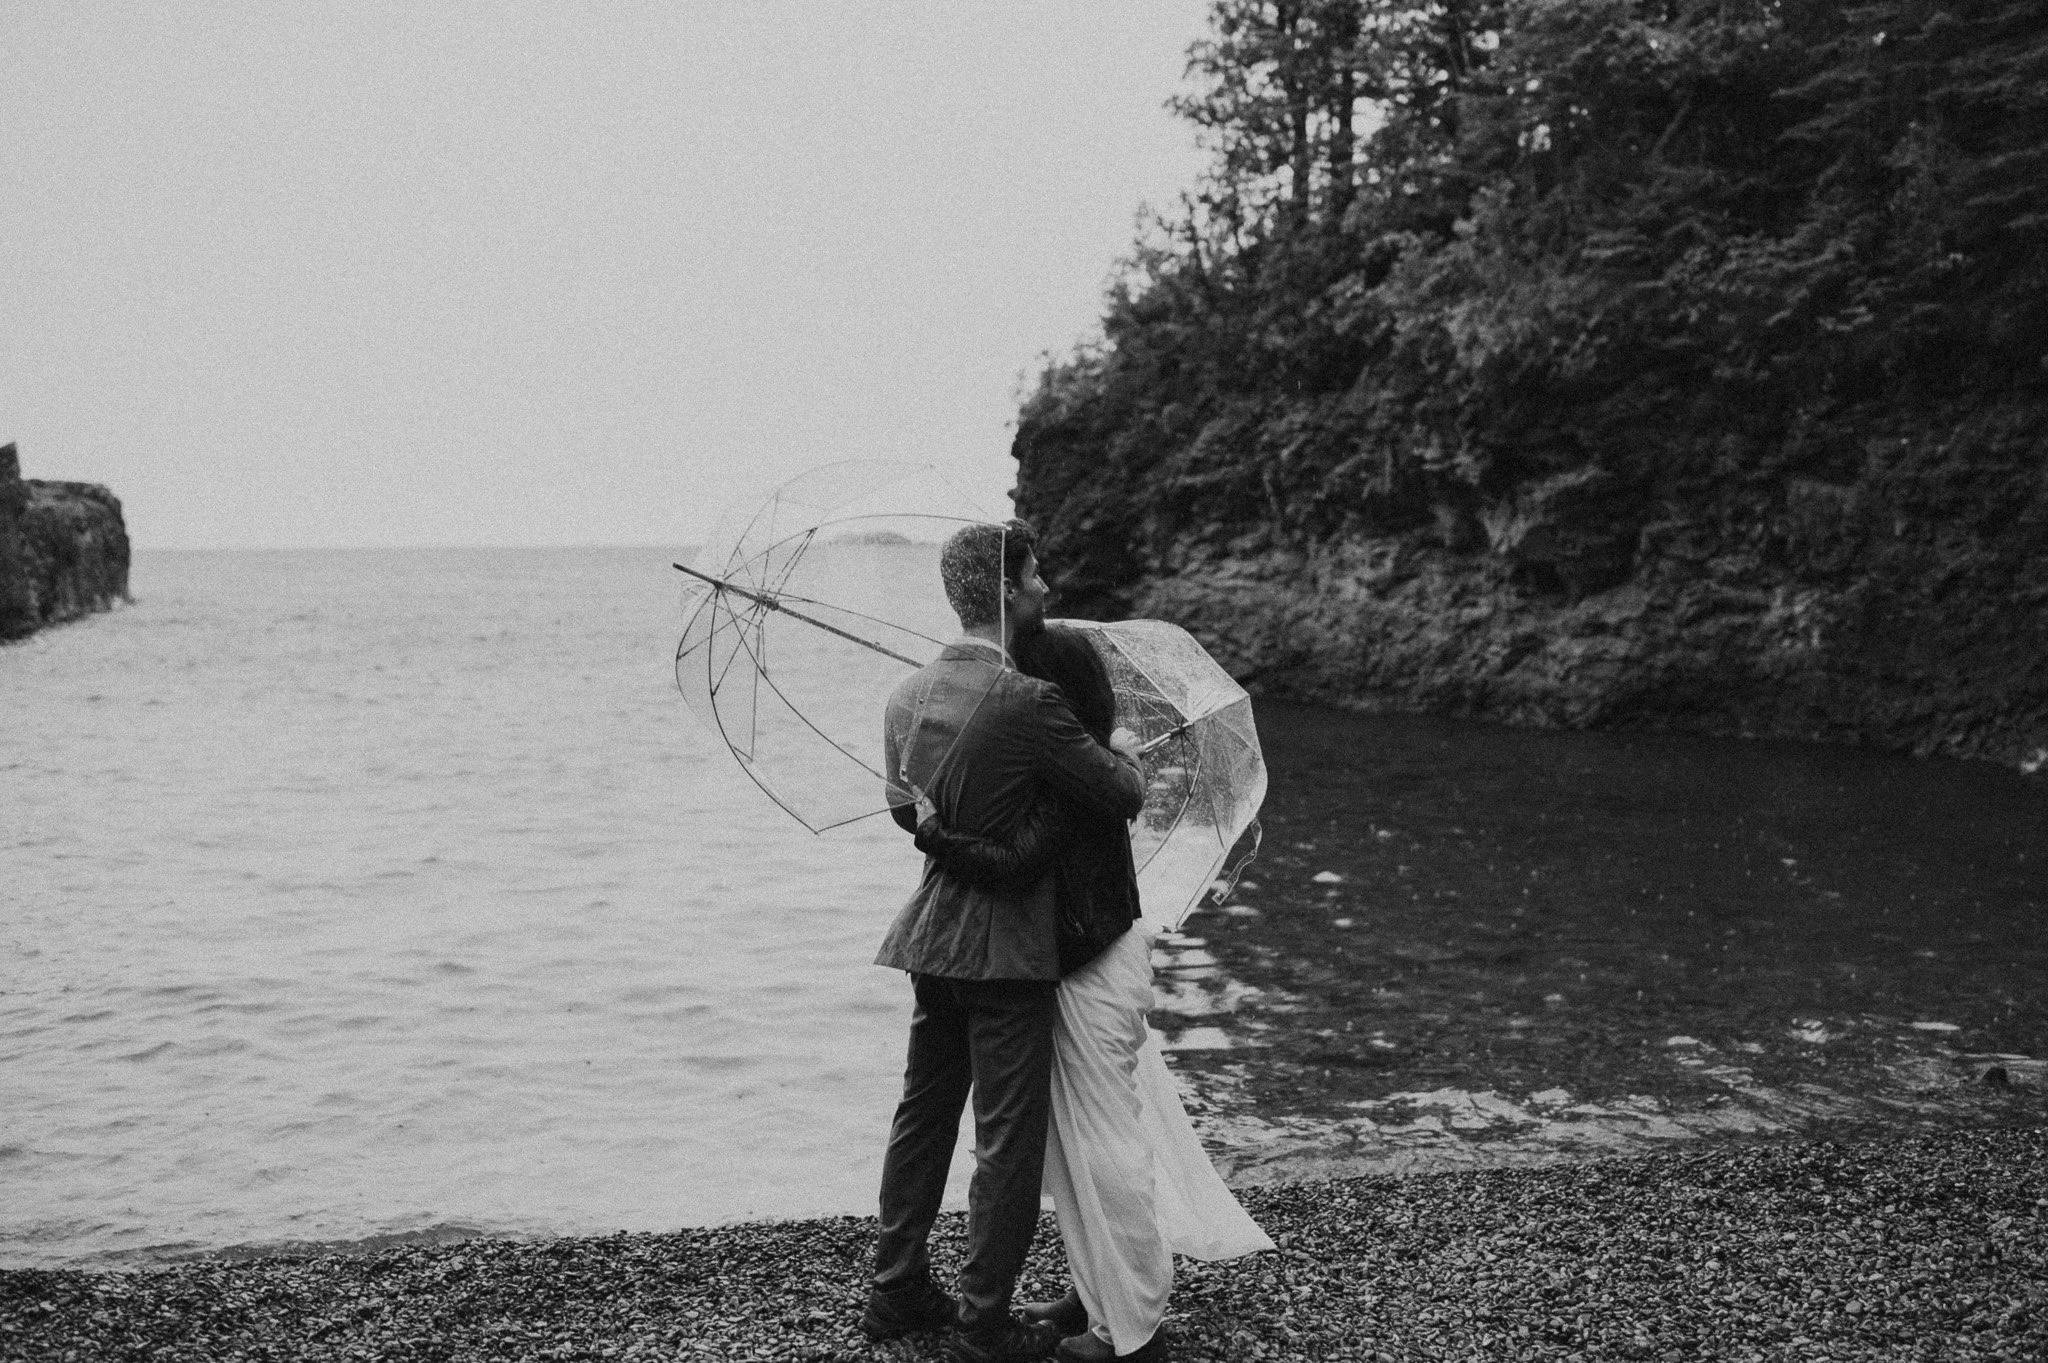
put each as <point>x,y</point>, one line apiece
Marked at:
<point>446,1234</point>
<point>257,1006</point>
<point>718,1064</point>
<point>149,1053</point>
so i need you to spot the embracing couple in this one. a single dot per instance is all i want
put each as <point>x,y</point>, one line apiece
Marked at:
<point>1032,976</point>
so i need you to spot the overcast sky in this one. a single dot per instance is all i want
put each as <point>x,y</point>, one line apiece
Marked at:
<point>302,273</point>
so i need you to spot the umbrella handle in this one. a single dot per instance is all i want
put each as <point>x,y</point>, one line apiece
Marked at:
<point>1175,732</point>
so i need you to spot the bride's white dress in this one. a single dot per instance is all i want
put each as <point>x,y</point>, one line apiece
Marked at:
<point>1130,1183</point>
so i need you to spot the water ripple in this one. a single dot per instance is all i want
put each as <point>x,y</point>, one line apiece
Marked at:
<point>403,879</point>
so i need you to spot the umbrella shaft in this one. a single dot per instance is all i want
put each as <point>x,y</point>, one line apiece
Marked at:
<point>1174,732</point>
<point>772,604</point>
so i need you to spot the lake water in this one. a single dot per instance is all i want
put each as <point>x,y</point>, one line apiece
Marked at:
<point>356,893</point>
<point>351,894</point>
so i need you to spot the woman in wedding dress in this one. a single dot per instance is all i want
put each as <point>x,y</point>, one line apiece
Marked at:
<point>1130,1183</point>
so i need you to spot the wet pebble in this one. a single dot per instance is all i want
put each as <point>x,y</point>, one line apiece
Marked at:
<point>1930,1247</point>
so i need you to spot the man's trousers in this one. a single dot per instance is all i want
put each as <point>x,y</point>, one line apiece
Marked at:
<point>995,1037</point>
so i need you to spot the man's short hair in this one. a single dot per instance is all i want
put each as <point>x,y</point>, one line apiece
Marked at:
<point>977,560</point>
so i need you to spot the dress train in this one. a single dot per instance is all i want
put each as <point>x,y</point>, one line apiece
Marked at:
<point>1129,1180</point>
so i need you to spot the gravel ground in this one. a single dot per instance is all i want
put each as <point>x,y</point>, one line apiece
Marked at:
<point>1929,1247</point>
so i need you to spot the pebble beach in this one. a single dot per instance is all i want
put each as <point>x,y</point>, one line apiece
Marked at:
<point>1933,1246</point>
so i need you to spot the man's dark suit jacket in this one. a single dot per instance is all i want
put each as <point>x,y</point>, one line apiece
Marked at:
<point>983,741</point>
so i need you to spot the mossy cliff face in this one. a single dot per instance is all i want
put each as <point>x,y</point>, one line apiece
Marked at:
<point>1899,600</point>
<point>63,550</point>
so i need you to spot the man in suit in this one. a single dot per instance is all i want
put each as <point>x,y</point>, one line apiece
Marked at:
<point>980,741</point>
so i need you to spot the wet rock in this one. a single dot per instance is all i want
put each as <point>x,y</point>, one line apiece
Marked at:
<point>63,550</point>
<point>1884,604</point>
<point>1572,535</point>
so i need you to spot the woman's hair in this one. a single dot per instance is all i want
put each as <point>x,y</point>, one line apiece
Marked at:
<point>1063,656</point>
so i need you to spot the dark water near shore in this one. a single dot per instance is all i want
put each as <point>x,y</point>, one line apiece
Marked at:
<point>1796,935</point>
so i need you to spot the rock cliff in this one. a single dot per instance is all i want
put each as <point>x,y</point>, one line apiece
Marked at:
<point>1895,596</point>
<point>63,550</point>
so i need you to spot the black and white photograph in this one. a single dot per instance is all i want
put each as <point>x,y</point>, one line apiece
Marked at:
<point>1186,681</point>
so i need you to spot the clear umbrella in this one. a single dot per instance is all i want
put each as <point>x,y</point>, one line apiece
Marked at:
<point>1205,775</point>
<point>801,615</point>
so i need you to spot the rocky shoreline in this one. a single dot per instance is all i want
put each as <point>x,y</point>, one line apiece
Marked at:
<point>1923,1248</point>
<point>63,550</point>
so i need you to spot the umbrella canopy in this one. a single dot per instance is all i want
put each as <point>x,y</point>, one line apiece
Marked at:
<point>1205,775</point>
<point>801,615</point>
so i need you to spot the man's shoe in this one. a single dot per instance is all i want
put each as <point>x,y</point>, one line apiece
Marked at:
<point>1066,1315</point>
<point>1083,1347</point>
<point>896,1314</point>
<point>1012,1343</point>
<point>1086,1347</point>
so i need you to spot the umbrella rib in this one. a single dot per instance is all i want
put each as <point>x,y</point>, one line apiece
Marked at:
<point>809,538</point>
<point>811,532</point>
<point>796,556</point>
<point>781,593</point>
<point>734,622</point>
<point>739,625</point>
<point>855,819</point>
<point>859,615</point>
<point>772,604</point>
<point>772,578</point>
<point>714,678</point>
<point>683,645</point>
<point>1135,666</point>
<point>760,667</point>
<point>762,672</point>
<point>747,765</point>
<point>1199,706</point>
<point>1180,813</point>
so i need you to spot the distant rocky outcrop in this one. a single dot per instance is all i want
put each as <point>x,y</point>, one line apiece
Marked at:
<point>63,550</point>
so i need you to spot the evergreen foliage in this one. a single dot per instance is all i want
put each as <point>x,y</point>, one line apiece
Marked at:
<point>1455,257</point>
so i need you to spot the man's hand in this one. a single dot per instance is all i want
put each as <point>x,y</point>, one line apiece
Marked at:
<point>1074,765</point>
<point>1125,742</point>
<point>925,808</point>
